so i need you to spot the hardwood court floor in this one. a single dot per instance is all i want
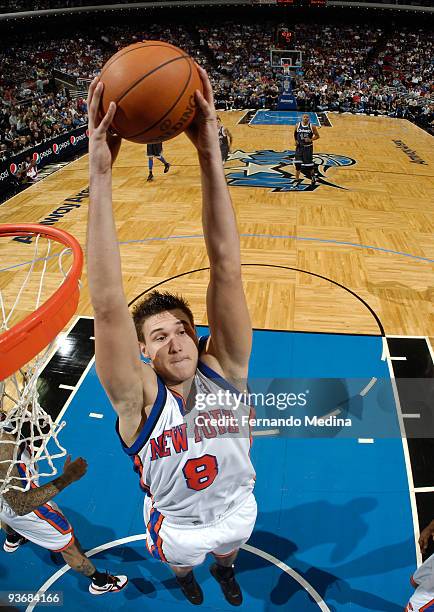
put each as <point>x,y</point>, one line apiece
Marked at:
<point>387,203</point>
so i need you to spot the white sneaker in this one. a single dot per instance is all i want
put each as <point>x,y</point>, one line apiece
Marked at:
<point>113,585</point>
<point>10,546</point>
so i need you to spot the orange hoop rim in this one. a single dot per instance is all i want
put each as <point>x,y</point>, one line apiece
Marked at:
<point>28,337</point>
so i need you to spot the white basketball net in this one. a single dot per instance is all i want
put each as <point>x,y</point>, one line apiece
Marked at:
<point>21,413</point>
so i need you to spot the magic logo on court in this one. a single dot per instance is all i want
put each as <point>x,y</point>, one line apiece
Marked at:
<point>275,170</point>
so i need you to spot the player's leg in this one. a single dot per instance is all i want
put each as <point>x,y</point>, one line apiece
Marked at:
<point>101,582</point>
<point>226,560</point>
<point>236,529</point>
<point>223,571</point>
<point>181,551</point>
<point>308,162</point>
<point>47,527</point>
<point>166,163</point>
<point>150,166</point>
<point>13,539</point>
<point>188,584</point>
<point>298,160</point>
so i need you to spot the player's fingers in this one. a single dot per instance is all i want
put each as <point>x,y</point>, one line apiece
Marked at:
<point>206,84</point>
<point>202,103</point>
<point>108,117</point>
<point>93,109</point>
<point>90,95</point>
<point>67,461</point>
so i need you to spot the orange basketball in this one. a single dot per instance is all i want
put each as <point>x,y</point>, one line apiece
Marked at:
<point>153,85</point>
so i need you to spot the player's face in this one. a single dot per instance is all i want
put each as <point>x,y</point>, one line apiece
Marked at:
<point>305,119</point>
<point>171,344</point>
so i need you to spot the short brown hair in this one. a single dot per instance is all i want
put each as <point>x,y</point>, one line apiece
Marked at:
<point>155,303</point>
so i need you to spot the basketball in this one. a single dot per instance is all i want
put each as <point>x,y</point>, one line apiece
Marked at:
<point>153,85</point>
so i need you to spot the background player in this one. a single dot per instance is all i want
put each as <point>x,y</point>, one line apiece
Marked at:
<point>201,489</point>
<point>225,139</point>
<point>155,150</point>
<point>304,135</point>
<point>423,578</point>
<point>33,516</point>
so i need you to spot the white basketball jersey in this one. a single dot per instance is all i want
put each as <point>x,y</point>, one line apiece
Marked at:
<point>423,581</point>
<point>195,465</point>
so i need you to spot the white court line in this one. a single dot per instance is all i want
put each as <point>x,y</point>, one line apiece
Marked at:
<point>141,536</point>
<point>414,514</point>
<point>96,415</point>
<point>406,337</point>
<point>69,387</point>
<point>250,122</point>
<point>291,572</point>
<point>365,440</point>
<point>77,386</point>
<point>332,413</point>
<point>398,358</point>
<point>326,113</point>
<point>266,432</point>
<point>410,416</point>
<point>385,348</point>
<point>368,387</point>
<point>431,352</point>
<point>424,490</point>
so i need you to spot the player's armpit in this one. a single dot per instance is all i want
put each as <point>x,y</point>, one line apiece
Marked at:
<point>132,416</point>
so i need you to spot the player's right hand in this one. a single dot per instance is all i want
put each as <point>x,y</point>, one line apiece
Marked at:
<point>74,470</point>
<point>425,536</point>
<point>203,131</point>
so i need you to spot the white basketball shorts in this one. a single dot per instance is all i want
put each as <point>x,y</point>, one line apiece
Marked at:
<point>46,526</point>
<point>188,545</point>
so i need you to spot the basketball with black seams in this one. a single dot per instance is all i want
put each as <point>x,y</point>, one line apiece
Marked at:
<point>153,85</point>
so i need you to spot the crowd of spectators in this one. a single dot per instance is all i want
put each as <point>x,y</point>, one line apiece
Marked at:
<point>382,73</point>
<point>346,69</point>
<point>350,68</point>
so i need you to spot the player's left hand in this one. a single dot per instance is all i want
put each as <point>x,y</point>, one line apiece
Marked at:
<point>203,131</point>
<point>103,145</point>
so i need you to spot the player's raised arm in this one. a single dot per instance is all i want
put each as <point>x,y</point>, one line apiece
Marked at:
<point>228,316</point>
<point>116,346</point>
